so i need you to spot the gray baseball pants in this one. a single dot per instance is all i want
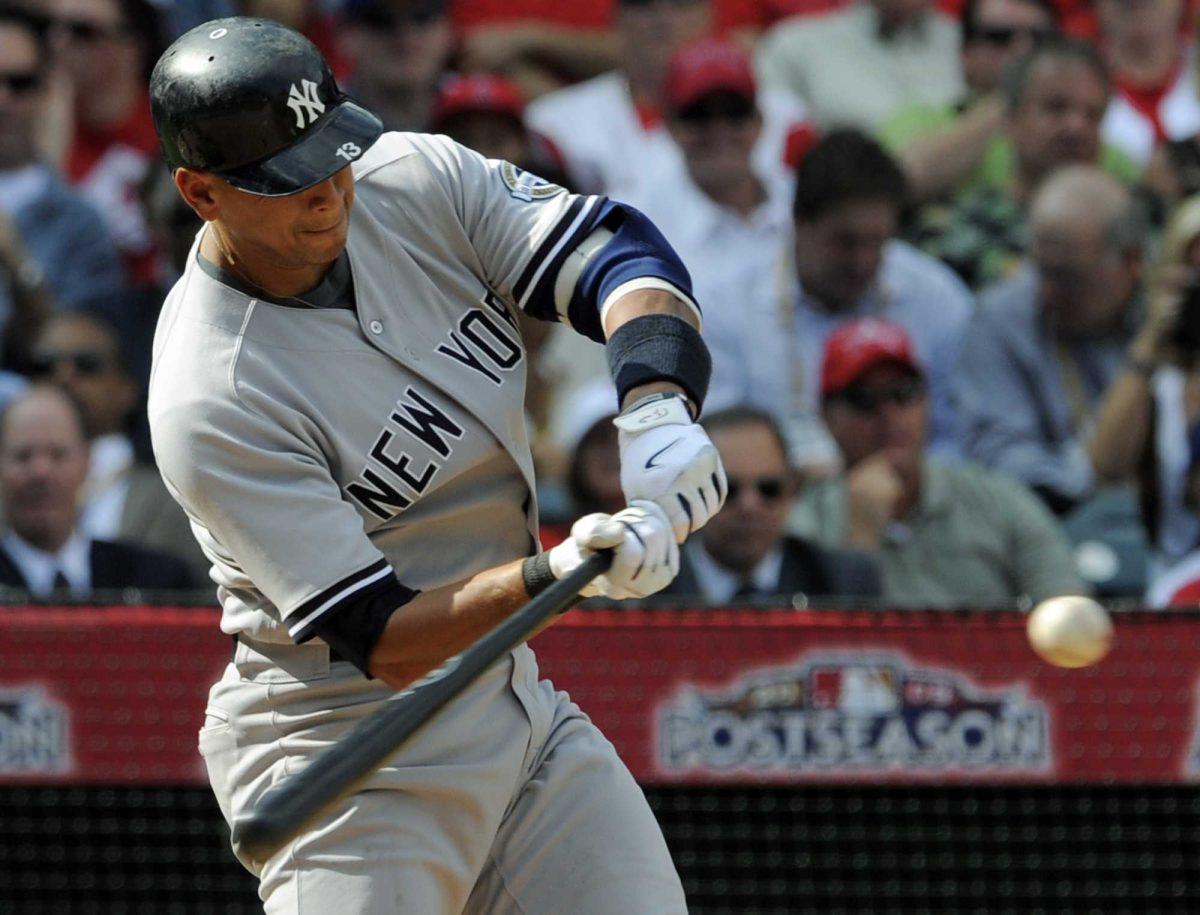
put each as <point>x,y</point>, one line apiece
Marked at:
<point>509,801</point>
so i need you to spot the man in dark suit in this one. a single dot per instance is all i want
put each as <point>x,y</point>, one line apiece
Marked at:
<point>743,553</point>
<point>43,465</point>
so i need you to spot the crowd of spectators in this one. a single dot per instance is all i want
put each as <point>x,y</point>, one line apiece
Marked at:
<point>948,253</point>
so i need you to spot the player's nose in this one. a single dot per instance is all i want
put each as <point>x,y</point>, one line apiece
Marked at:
<point>323,195</point>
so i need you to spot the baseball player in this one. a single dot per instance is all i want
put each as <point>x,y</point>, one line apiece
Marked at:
<point>337,403</point>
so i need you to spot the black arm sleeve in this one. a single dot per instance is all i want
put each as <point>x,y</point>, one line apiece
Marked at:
<point>353,631</point>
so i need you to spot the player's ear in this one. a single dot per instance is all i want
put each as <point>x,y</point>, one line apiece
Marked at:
<point>197,189</point>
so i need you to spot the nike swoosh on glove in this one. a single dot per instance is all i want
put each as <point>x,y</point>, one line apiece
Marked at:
<point>668,459</point>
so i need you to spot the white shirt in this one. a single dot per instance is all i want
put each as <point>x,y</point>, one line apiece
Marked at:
<point>596,126</point>
<point>1129,130</point>
<point>719,585</point>
<point>850,75</point>
<point>716,243</point>
<point>39,567</point>
<point>106,487</point>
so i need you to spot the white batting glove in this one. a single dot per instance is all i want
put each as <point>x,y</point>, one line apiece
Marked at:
<point>668,459</point>
<point>646,556</point>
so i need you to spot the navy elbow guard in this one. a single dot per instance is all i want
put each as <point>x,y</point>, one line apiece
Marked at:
<point>659,348</point>
<point>636,250</point>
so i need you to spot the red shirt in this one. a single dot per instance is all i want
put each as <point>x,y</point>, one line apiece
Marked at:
<point>136,132</point>
<point>1146,99</point>
<point>108,164</point>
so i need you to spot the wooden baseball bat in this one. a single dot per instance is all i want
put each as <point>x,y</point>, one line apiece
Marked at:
<point>286,808</point>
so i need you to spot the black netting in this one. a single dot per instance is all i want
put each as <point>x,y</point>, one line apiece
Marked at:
<point>118,852</point>
<point>1017,851</point>
<point>801,851</point>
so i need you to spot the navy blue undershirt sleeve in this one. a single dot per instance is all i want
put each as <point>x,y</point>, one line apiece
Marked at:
<point>637,249</point>
<point>354,631</point>
<point>350,614</point>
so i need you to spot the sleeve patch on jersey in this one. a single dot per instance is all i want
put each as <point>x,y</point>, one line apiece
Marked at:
<point>526,185</point>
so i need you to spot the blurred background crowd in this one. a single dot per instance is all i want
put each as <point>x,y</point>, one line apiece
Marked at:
<point>948,253</point>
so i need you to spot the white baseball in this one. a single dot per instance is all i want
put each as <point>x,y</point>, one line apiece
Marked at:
<point>1070,631</point>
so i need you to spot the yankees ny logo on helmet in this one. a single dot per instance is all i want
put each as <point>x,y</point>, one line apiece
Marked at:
<point>206,96</point>
<point>305,103</point>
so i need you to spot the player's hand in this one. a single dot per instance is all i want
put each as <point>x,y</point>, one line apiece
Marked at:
<point>668,459</point>
<point>645,554</point>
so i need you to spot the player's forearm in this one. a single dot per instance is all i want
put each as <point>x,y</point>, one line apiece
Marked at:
<point>648,302</point>
<point>641,302</point>
<point>438,624</point>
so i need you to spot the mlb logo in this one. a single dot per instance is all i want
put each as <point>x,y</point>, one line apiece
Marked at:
<point>866,689</point>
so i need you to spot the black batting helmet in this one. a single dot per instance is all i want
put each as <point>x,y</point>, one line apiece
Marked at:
<point>255,103</point>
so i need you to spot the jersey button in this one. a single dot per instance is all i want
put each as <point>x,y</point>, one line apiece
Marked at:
<point>376,327</point>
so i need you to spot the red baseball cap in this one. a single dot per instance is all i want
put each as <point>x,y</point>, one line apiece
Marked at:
<point>858,346</point>
<point>710,65</point>
<point>476,92</point>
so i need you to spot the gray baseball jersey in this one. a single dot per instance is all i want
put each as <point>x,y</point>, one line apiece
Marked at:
<point>321,452</point>
<point>287,433</point>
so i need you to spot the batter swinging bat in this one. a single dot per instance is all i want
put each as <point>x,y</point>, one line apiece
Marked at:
<point>288,807</point>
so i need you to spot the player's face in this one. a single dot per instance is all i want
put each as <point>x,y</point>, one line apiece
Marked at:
<point>21,82</point>
<point>760,494</point>
<point>838,254</point>
<point>43,463</point>
<point>1058,120</point>
<point>282,238</point>
<point>884,411</point>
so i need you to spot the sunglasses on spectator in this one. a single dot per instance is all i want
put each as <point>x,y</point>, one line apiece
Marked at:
<point>21,83</point>
<point>870,399</point>
<point>84,362</point>
<point>88,32</point>
<point>724,106</point>
<point>769,489</point>
<point>1002,36</point>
